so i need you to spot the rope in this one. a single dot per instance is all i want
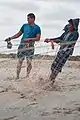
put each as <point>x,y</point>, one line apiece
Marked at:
<point>63,43</point>
<point>55,51</point>
<point>30,48</point>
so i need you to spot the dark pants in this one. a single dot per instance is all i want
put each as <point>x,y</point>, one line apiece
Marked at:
<point>59,62</point>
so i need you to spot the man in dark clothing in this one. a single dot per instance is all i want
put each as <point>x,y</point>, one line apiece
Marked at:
<point>67,42</point>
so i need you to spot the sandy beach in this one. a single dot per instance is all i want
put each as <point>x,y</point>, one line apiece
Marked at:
<point>30,99</point>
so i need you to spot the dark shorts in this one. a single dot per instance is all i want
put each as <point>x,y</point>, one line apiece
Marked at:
<point>25,53</point>
<point>60,60</point>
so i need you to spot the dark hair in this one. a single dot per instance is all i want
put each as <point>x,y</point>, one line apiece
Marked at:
<point>31,15</point>
<point>70,21</point>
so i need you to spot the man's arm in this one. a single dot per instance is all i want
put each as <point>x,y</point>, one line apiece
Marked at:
<point>37,38</point>
<point>16,35</point>
<point>57,40</point>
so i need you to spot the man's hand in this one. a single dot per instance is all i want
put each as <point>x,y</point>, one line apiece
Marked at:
<point>47,40</point>
<point>27,40</point>
<point>7,39</point>
<point>52,44</point>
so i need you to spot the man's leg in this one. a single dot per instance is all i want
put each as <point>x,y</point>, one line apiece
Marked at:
<point>53,76</point>
<point>57,65</point>
<point>29,66</point>
<point>19,64</point>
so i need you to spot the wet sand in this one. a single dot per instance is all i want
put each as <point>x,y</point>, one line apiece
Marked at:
<point>30,99</point>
